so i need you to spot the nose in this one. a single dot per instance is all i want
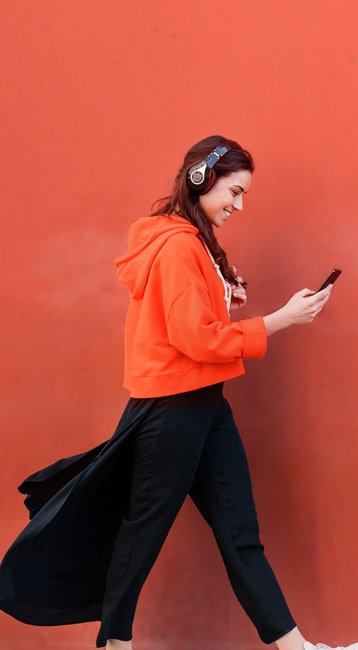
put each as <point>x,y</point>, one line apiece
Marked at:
<point>237,202</point>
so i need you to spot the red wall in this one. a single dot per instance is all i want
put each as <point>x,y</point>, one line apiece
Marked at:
<point>99,102</point>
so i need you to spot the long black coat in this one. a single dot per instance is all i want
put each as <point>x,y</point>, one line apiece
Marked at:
<point>54,573</point>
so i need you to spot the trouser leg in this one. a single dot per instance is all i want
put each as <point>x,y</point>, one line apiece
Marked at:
<point>167,450</point>
<point>222,491</point>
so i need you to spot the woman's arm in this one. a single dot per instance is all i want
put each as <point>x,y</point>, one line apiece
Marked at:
<point>276,321</point>
<point>301,308</point>
<point>194,329</point>
<point>298,309</point>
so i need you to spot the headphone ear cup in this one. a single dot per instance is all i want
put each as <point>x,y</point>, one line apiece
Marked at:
<point>196,179</point>
<point>210,178</point>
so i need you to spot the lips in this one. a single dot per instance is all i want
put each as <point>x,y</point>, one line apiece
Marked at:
<point>227,213</point>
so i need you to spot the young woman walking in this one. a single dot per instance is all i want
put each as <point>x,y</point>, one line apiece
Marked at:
<point>177,435</point>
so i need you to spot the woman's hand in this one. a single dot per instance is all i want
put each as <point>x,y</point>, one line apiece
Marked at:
<point>238,296</point>
<point>304,305</point>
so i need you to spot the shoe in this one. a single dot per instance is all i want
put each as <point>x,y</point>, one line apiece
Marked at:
<point>322,646</point>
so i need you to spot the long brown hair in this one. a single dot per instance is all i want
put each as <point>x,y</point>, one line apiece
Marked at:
<point>185,201</point>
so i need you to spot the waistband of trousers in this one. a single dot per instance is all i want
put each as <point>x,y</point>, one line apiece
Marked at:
<point>204,396</point>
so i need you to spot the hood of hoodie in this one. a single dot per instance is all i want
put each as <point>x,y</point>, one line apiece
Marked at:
<point>146,236</point>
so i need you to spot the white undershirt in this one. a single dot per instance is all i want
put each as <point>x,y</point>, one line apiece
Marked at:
<point>226,283</point>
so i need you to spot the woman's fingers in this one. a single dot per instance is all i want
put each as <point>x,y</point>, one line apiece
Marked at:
<point>239,297</point>
<point>239,292</point>
<point>238,277</point>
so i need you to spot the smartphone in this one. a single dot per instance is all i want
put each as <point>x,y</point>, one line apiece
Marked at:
<point>331,279</point>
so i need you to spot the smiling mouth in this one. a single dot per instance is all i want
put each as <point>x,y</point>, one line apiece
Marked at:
<point>227,213</point>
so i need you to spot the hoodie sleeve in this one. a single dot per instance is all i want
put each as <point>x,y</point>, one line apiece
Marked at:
<point>193,329</point>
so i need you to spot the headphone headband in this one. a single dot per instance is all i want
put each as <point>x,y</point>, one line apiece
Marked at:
<point>215,155</point>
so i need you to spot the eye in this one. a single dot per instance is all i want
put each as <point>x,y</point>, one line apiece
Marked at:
<point>235,193</point>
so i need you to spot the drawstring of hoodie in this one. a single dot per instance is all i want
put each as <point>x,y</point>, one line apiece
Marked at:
<point>227,285</point>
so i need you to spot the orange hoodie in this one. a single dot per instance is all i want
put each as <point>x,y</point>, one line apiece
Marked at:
<point>178,333</point>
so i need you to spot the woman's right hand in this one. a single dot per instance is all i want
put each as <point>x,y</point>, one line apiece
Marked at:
<point>304,305</point>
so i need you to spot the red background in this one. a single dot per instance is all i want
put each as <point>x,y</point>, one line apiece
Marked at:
<point>99,102</point>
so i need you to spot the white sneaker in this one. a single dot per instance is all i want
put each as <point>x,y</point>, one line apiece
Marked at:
<point>322,646</point>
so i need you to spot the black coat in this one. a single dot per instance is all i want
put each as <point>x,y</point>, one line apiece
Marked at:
<point>54,573</point>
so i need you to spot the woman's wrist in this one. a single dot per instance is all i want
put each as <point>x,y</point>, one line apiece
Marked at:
<point>276,321</point>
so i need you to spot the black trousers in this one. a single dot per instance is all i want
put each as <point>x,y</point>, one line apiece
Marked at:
<point>189,444</point>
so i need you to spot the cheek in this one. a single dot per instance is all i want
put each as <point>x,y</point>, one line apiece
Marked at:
<point>209,201</point>
<point>226,199</point>
<point>220,198</point>
<point>214,200</point>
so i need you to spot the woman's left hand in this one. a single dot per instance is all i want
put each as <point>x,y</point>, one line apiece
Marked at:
<point>238,297</point>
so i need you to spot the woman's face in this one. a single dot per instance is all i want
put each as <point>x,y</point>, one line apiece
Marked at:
<point>225,196</point>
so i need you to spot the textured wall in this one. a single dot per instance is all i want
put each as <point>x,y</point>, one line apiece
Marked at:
<point>100,101</point>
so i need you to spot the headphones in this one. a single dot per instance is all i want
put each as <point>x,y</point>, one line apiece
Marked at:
<point>201,177</point>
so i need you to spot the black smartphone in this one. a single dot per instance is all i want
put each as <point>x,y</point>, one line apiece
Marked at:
<point>331,279</point>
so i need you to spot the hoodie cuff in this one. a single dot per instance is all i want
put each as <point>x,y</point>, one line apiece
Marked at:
<point>255,337</point>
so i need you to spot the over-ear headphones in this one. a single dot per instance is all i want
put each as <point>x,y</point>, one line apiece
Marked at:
<point>201,177</point>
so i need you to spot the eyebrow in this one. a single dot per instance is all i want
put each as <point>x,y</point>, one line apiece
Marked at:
<point>241,188</point>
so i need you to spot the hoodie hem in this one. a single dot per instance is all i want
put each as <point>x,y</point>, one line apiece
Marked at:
<point>150,386</point>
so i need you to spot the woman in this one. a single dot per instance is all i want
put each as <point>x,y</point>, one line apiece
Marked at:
<point>176,436</point>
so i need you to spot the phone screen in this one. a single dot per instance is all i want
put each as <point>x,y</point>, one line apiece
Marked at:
<point>331,279</point>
